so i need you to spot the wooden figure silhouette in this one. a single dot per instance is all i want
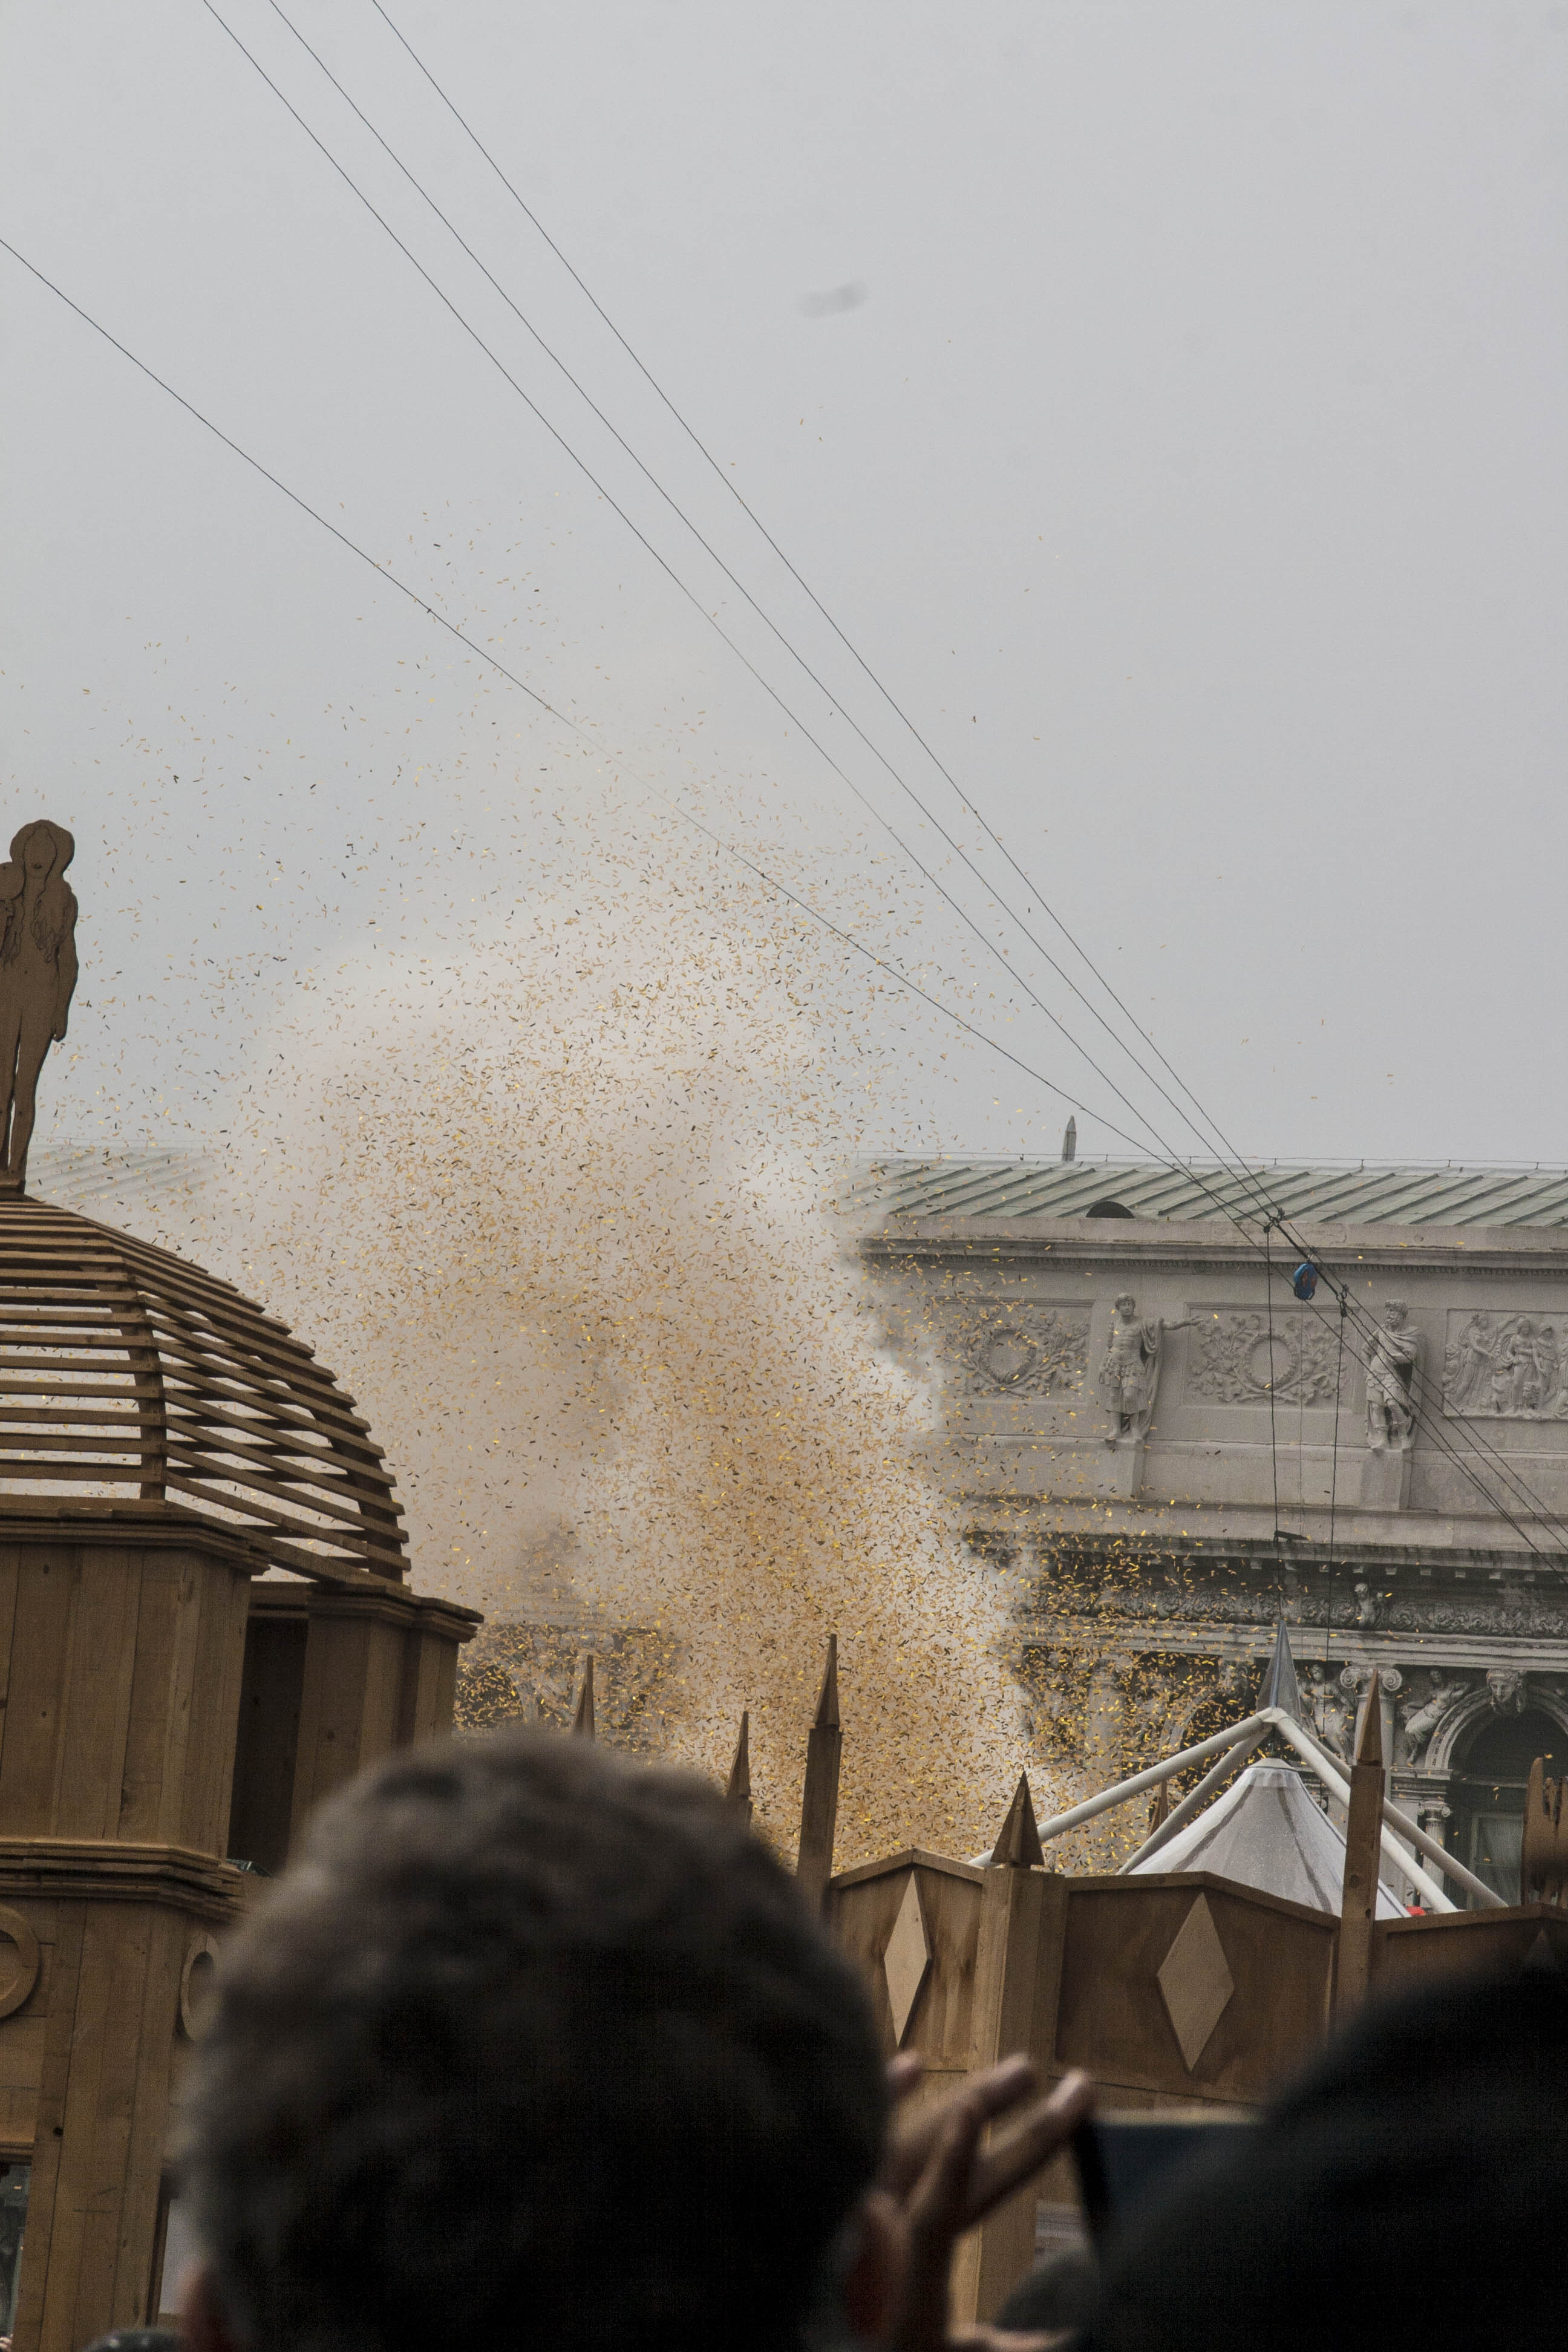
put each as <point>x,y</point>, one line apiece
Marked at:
<point>37,977</point>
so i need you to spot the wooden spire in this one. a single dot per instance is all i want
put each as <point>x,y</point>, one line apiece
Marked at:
<point>819,1798</point>
<point>739,1792</point>
<point>583,1712</point>
<point>1543,1858</point>
<point>1363,1844</point>
<point>1017,1845</point>
<point>1369,1739</point>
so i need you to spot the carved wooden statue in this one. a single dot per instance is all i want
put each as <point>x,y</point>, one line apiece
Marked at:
<point>38,976</point>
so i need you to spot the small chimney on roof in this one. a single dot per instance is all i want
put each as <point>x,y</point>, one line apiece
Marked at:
<point>1069,1140</point>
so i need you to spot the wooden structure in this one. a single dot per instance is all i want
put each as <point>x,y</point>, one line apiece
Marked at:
<point>128,1376</point>
<point>819,1796</point>
<point>205,1628</point>
<point>1176,1990</point>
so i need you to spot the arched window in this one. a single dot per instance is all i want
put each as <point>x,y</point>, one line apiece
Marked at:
<point>1487,1792</point>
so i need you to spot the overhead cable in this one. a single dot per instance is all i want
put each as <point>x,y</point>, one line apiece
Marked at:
<point>983,938</point>
<point>884,964</point>
<point>965,800</point>
<point>927,812</point>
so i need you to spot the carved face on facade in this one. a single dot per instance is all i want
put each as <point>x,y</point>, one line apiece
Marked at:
<point>1127,1307</point>
<point>1395,1313</point>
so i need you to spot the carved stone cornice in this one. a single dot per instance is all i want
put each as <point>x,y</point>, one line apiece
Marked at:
<point>1482,1617</point>
<point>1203,1243</point>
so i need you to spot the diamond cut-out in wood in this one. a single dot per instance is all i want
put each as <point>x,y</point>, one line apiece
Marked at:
<point>906,1958</point>
<point>1195,1984</point>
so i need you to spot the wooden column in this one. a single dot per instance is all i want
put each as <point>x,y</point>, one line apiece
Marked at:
<point>1363,1848</point>
<point>1017,1980</point>
<point>819,1798</point>
<point>125,1646</point>
<point>380,1672</point>
<point>121,1646</point>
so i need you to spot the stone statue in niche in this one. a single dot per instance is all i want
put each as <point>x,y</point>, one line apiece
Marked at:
<point>1328,1709</point>
<point>1506,1368</point>
<point>1129,1373</point>
<point>38,976</point>
<point>1505,1688</point>
<point>1371,1608</point>
<point>1422,1717</point>
<point>1392,1360</point>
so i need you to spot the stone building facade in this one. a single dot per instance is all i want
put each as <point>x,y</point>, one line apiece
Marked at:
<point>1170,1476</point>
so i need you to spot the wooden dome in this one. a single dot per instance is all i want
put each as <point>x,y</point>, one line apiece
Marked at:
<point>128,1376</point>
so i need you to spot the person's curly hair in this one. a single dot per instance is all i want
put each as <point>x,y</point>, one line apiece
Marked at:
<point>531,2044</point>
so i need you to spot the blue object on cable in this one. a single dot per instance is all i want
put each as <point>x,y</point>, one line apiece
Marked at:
<point>1304,1281</point>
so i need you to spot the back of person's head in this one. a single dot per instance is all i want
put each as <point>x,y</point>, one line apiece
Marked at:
<point>1409,2190</point>
<point>530,2043</point>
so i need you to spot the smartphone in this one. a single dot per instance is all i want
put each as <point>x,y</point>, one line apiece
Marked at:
<point>1124,2158</point>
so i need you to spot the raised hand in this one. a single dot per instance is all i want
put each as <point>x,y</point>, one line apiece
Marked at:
<point>945,2182</point>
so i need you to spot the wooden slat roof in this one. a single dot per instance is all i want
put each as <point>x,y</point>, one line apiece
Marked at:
<point>126,1372</point>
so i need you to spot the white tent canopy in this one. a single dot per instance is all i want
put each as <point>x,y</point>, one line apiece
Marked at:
<point>1265,1832</point>
<point>1281,1822</point>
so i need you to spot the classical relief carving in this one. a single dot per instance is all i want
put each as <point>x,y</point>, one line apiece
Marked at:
<point>1331,1703</point>
<point>1506,1366</point>
<point>1505,1688</point>
<point>1479,1617</point>
<point>1039,1349</point>
<point>1261,1607</point>
<point>1359,1679</point>
<point>1420,1714</point>
<point>1237,1360</point>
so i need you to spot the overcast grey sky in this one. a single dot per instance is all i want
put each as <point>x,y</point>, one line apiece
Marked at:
<point>1169,400</point>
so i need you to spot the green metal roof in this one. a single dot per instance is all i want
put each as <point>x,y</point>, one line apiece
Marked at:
<point>1351,1194</point>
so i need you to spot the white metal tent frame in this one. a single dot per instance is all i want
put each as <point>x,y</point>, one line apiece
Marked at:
<point>1232,1749</point>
